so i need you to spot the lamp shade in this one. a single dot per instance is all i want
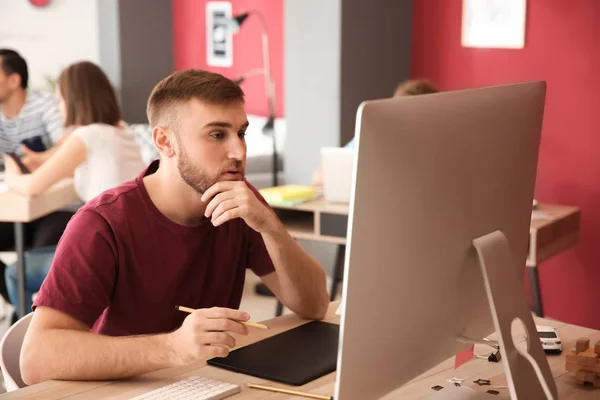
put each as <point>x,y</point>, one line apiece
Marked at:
<point>269,127</point>
<point>234,23</point>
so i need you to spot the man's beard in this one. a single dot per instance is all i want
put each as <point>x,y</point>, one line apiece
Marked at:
<point>5,95</point>
<point>198,179</point>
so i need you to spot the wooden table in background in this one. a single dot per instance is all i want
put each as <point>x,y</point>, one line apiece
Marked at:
<point>548,237</point>
<point>326,222</point>
<point>20,209</point>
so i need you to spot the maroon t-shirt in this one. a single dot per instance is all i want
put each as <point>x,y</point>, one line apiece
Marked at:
<point>122,266</point>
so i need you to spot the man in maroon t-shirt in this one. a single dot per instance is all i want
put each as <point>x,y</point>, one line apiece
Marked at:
<point>182,233</point>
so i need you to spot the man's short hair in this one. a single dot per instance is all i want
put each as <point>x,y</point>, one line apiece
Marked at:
<point>13,63</point>
<point>182,86</point>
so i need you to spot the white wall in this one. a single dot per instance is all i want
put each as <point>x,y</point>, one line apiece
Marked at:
<point>312,84</point>
<point>52,37</point>
<point>312,94</point>
<point>110,41</point>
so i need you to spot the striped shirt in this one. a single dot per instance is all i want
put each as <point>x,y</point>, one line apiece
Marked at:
<point>39,119</point>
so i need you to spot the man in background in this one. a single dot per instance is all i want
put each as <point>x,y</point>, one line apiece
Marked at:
<point>30,122</point>
<point>413,87</point>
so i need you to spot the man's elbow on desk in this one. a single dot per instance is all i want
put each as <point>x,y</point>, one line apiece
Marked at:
<point>313,307</point>
<point>318,311</point>
<point>32,370</point>
<point>30,376</point>
<point>320,305</point>
<point>310,311</point>
<point>306,296</point>
<point>319,301</point>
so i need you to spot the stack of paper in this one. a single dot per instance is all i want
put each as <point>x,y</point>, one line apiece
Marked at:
<point>288,195</point>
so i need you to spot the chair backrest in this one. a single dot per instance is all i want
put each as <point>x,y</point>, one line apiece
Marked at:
<point>10,351</point>
<point>143,137</point>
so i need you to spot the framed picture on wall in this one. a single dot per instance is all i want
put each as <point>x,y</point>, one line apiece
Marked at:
<point>219,39</point>
<point>494,23</point>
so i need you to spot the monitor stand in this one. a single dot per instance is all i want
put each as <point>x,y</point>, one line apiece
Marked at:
<point>528,374</point>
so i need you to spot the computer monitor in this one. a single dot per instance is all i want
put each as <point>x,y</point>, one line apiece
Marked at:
<point>433,174</point>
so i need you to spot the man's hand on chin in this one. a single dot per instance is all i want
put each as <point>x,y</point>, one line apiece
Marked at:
<point>234,199</point>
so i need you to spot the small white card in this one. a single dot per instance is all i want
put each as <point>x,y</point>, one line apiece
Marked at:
<point>540,215</point>
<point>340,307</point>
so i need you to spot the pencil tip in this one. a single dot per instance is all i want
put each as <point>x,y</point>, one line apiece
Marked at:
<point>177,308</point>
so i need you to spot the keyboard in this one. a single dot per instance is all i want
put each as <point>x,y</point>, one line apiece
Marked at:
<point>194,387</point>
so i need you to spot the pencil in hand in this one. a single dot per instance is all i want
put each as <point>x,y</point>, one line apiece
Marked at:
<point>251,324</point>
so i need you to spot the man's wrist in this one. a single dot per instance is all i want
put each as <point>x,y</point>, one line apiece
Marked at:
<point>168,344</point>
<point>274,227</point>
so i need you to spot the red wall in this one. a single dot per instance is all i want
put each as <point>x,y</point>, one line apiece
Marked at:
<point>563,48</point>
<point>189,35</point>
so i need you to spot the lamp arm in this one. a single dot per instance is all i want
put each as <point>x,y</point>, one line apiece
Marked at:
<point>269,83</point>
<point>269,90</point>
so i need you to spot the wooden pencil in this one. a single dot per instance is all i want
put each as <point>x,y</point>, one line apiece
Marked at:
<point>289,391</point>
<point>252,324</point>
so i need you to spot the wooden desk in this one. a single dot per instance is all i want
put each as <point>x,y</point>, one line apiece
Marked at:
<point>419,388</point>
<point>326,222</point>
<point>20,209</point>
<point>308,220</point>
<point>548,237</point>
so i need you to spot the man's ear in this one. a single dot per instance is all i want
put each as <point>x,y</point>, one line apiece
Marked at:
<point>14,81</point>
<point>164,140</point>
